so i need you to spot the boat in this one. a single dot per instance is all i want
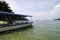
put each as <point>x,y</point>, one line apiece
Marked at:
<point>9,21</point>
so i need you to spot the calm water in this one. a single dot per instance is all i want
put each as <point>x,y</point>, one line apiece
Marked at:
<point>41,30</point>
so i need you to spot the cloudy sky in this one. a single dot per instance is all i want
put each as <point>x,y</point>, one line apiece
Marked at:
<point>39,9</point>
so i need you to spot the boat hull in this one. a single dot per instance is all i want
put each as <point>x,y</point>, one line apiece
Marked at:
<point>14,27</point>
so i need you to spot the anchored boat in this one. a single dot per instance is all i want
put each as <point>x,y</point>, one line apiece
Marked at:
<point>9,21</point>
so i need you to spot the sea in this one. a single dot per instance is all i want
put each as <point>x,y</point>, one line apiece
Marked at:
<point>40,30</point>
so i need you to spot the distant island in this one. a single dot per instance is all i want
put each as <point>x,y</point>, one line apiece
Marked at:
<point>57,19</point>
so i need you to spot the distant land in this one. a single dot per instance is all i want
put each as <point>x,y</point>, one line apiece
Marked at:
<point>57,19</point>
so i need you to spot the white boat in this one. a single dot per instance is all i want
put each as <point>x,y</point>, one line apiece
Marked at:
<point>10,27</point>
<point>14,24</point>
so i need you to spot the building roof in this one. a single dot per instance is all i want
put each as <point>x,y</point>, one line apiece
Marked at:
<point>13,14</point>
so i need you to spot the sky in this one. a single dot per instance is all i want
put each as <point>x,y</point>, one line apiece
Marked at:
<point>39,9</point>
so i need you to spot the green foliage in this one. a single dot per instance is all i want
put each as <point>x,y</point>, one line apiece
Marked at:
<point>4,7</point>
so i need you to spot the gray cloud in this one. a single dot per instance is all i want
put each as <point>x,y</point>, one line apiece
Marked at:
<point>40,9</point>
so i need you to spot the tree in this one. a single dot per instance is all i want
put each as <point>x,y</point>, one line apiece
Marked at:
<point>4,7</point>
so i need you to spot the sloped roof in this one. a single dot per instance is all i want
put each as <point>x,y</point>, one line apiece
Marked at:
<point>13,14</point>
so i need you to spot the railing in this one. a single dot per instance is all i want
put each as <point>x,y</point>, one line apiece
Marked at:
<point>21,22</point>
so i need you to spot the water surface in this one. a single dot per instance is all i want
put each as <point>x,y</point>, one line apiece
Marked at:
<point>41,30</point>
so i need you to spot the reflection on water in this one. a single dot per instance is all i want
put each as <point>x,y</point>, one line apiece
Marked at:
<point>41,30</point>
